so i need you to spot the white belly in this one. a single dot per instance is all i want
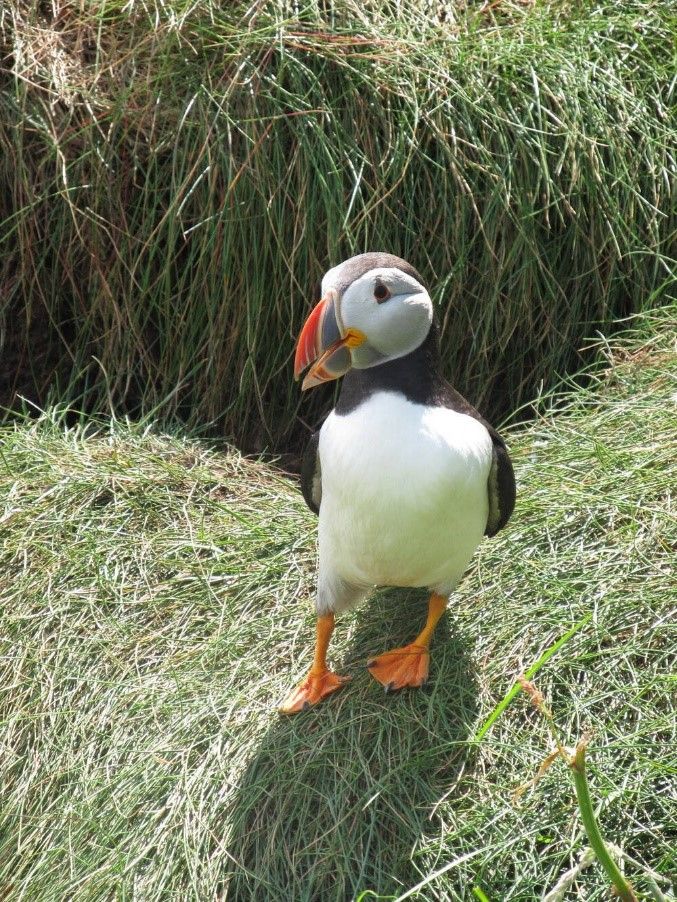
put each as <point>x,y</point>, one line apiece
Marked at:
<point>404,493</point>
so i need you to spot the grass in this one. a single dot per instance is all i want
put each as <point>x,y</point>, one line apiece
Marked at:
<point>176,176</point>
<point>155,606</point>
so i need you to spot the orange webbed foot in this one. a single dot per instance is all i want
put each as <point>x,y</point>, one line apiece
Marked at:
<point>312,690</point>
<point>407,666</point>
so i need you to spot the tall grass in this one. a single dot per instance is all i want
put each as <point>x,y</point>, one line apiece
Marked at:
<point>175,177</point>
<point>152,615</point>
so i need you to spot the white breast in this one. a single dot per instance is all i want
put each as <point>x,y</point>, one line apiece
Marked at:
<point>404,493</point>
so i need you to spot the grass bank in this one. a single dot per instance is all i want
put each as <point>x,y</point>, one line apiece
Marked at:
<point>175,177</point>
<point>156,605</point>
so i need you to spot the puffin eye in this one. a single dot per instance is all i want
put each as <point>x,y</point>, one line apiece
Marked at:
<point>381,293</point>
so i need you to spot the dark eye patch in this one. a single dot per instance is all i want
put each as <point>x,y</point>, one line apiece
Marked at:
<point>381,292</point>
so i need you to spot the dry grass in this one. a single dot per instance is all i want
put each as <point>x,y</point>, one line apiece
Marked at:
<point>155,607</point>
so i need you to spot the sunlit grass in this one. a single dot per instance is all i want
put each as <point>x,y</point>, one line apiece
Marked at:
<point>155,606</point>
<point>177,176</point>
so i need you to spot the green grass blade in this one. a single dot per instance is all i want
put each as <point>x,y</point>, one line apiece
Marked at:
<point>531,671</point>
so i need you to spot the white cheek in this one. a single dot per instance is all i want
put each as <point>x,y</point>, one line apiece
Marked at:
<point>359,314</point>
<point>402,325</point>
<point>393,328</point>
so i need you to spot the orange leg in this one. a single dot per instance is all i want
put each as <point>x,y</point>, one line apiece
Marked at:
<point>408,666</point>
<point>320,681</point>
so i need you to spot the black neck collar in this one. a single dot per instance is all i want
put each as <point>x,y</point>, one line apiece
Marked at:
<point>417,376</point>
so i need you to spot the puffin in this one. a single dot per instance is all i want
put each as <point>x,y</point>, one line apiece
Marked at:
<point>406,477</point>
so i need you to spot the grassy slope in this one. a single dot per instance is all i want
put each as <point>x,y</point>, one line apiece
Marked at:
<point>176,176</point>
<point>155,605</point>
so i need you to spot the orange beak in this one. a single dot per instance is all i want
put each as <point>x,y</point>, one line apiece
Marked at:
<point>322,345</point>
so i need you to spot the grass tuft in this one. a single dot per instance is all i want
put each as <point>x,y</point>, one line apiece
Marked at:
<point>177,176</point>
<point>155,606</point>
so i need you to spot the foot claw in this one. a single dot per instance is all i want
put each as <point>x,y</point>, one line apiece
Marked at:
<point>407,666</point>
<point>312,690</point>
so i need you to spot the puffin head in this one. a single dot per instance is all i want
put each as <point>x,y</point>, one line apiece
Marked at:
<point>374,308</point>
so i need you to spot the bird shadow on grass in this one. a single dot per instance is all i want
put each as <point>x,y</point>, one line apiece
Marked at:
<point>336,800</point>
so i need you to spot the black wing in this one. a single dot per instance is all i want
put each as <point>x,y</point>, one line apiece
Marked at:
<point>311,474</point>
<point>501,484</point>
